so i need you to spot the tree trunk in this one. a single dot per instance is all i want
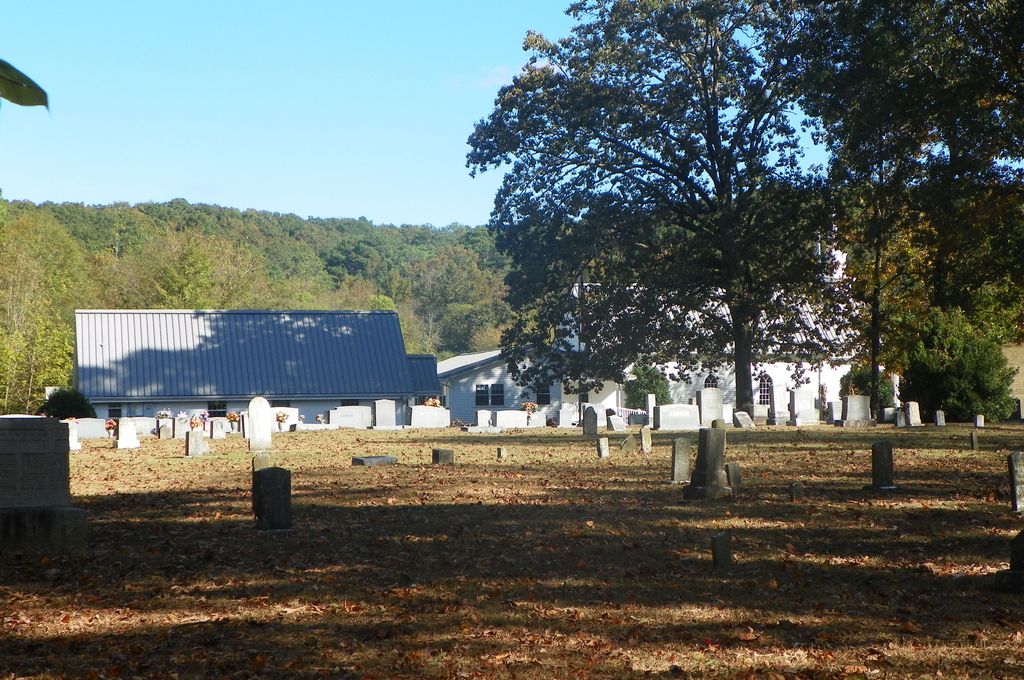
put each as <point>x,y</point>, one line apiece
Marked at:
<point>875,331</point>
<point>743,355</point>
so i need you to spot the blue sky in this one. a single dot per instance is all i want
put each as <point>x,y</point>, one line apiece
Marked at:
<point>332,109</point>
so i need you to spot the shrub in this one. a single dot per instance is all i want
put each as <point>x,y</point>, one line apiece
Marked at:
<point>957,368</point>
<point>860,378</point>
<point>68,403</point>
<point>647,380</point>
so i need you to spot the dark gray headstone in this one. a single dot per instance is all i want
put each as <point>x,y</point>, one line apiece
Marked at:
<point>974,440</point>
<point>628,444</point>
<point>883,474</point>
<point>721,551</point>
<point>502,453</point>
<point>443,457</point>
<point>272,498</point>
<point>372,461</point>
<point>1017,553</point>
<point>590,422</point>
<point>940,419</point>
<point>796,491</point>
<point>1015,462</point>
<point>732,475</point>
<point>680,460</point>
<point>645,439</point>
<point>602,447</point>
<point>708,479</point>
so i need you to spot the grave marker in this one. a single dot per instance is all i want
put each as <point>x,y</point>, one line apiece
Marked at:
<point>443,457</point>
<point>502,453</point>
<point>195,444</point>
<point>732,475</point>
<point>708,479</point>
<point>602,447</point>
<point>801,408</point>
<point>373,461</point>
<point>742,420</point>
<point>259,425</point>
<point>1012,579</point>
<point>272,498</point>
<point>384,415</point>
<point>590,422</point>
<point>680,460</point>
<point>628,444</point>
<point>882,469</point>
<point>979,421</point>
<point>796,491</point>
<point>721,551</point>
<point>974,440</point>
<point>218,430</point>
<point>616,423</point>
<point>1015,463</point>
<point>856,411</point>
<point>709,400</point>
<point>912,413</point>
<point>646,445</point>
<point>127,437</point>
<point>677,417</point>
<point>940,419</point>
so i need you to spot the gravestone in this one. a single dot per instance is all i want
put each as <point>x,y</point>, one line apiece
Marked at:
<point>430,417</point>
<point>888,414</point>
<point>732,475</point>
<point>566,416</point>
<point>73,443</point>
<point>680,460</point>
<point>833,412</point>
<point>179,427</point>
<point>721,551</point>
<point>801,408</point>
<point>974,440</point>
<point>1015,463</point>
<point>718,423</point>
<point>901,418</point>
<point>742,420</point>
<point>912,412</point>
<point>778,407</point>
<point>511,419</point>
<point>260,461</point>
<point>36,514</point>
<point>979,420</point>
<point>442,456</point>
<point>856,411</point>
<point>616,423</point>
<point>646,445</point>
<point>243,424</point>
<point>796,491</point>
<point>1017,553</point>
<point>590,422</point>
<point>218,430</point>
<point>127,437</point>
<point>1012,579</point>
<point>195,444</point>
<point>384,414</point>
<point>677,417</point>
<point>272,498</point>
<point>709,401</point>
<point>602,447</point>
<point>483,418</point>
<point>727,411</point>
<point>373,461</point>
<point>940,419</point>
<point>350,417</point>
<point>160,423</point>
<point>883,475</point>
<point>259,425</point>
<point>708,479</point>
<point>628,444</point>
<point>166,432</point>
<point>502,453</point>
<point>650,401</point>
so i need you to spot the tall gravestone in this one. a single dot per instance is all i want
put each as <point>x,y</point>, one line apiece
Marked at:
<point>709,400</point>
<point>36,514</point>
<point>940,418</point>
<point>677,417</point>
<point>73,443</point>
<point>709,479</point>
<point>127,437</point>
<point>259,424</point>
<point>272,498</point>
<point>912,413</point>
<point>856,411</point>
<point>680,460</point>
<point>801,408</point>
<point>384,415</point>
<point>646,445</point>
<point>218,430</point>
<point>1015,463</point>
<point>883,474</point>
<point>195,444</point>
<point>590,422</point>
<point>979,420</point>
<point>602,447</point>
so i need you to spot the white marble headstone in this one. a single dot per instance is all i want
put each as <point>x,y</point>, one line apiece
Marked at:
<point>259,424</point>
<point>127,437</point>
<point>709,400</point>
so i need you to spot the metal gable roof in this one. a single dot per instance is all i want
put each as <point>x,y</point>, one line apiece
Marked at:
<point>148,354</point>
<point>424,375</point>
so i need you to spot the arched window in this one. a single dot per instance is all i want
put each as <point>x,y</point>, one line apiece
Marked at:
<point>711,380</point>
<point>764,391</point>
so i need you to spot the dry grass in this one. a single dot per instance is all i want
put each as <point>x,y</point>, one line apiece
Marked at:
<point>550,565</point>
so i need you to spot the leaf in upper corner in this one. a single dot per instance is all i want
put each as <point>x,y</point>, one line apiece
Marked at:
<point>17,87</point>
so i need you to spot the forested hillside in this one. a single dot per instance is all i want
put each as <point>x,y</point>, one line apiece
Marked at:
<point>445,283</point>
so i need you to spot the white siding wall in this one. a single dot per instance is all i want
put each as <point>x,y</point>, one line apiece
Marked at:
<point>782,380</point>
<point>461,398</point>
<point>307,407</point>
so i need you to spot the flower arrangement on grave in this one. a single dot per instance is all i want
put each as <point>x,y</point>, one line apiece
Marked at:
<point>280,416</point>
<point>432,401</point>
<point>320,418</point>
<point>182,416</point>
<point>195,422</point>
<point>232,416</point>
<point>110,426</point>
<point>163,414</point>
<point>302,418</point>
<point>529,407</point>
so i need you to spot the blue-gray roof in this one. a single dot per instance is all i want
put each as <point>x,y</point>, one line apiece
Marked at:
<point>424,375</point>
<point>149,354</point>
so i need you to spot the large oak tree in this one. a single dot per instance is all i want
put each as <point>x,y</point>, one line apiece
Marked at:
<point>652,156</point>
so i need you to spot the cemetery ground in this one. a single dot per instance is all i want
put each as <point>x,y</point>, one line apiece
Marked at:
<point>550,564</point>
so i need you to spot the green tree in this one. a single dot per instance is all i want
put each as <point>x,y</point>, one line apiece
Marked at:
<point>653,159</point>
<point>957,368</point>
<point>858,381</point>
<point>647,380</point>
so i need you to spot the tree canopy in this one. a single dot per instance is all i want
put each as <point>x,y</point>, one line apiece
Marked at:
<point>653,202</point>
